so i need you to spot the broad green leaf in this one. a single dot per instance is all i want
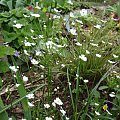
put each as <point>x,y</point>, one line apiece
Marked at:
<point>3,2</point>
<point>61,2</point>
<point>96,94</point>
<point>9,3</point>
<point>5,14</point>
<point>9,37</point>
<point>6,51</point>
<point>103,87</point>
<point>44,9</point>
<point>4,66</point>
<point>19,3</point>
<point>118,96</point>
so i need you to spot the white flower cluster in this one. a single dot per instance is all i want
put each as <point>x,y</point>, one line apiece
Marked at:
<point>29,44</point>
<point>14,68</point>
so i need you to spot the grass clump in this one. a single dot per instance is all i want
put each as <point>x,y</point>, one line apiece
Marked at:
<point>63,66</point>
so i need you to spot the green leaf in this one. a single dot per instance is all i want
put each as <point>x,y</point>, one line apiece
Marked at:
<point>9,3</point>
<point>9,37</point>
<point>118,96</point>
<point>4,67</point>
<point>96,94</point>
<point>19,3</point>
<point>3,2</point>
<point>6,51</point>
<point>103,87</point>
<point>5,14</point>
<point>4,115</point>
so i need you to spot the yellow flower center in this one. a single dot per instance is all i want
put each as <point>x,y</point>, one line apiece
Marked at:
<point>105,107</point>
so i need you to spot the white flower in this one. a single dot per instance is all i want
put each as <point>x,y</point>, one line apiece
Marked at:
<point>73,31</point>
<point>97,113</point>
<point>78,44</point>
<point>77,75</point>
<point>30,96</point>
<point>40,36</point>
<point>38,53</point>
<point>83,12</point>
<point>96,45</point>
<point>115,56</point>
<point>70,2</point>
<point>97,26</point>
<point>83,57</point>
<point>42,76</point>
<point>42,66</point>
<point>26,15</point>
<point>18,25</point>
<point>48,118</point>
<point>103,42</point>
<point>24,119</point>
<point>69,83</point>
<point>98,55</point>
<point>72,15</point>
<point>79,21</point>
<point>62,65</point>
<point>59,46</point>
<point>30,104</point>
<point>37,7</point>
<point>56,10</point>
<point>85,81</point>
<point>117,86</point>
<point>109,43</point>
<point>35,15</point>
<point>66,118</point>
<point>34,62</point>
<point>53,104</point>
<point>87,52</point>
<point>28,43</point>
<point>58,101</point>
<point>14,76</point>
<point>13,68</point>
<point>25,51</point>
<point>56,16</point>
<point>96,104</point>
<point>25,79</point>
<point>112,94</point>
<point>32,30</point>
<point>117,76</point>
<point>14,21</point>
<point>73,23</point>
<point>9,118</point>
<point>112,62</point>
<point>47,106</point>
<point>63,112</point>
<point>49,44</point>
<point>55,89</point>
<point>17,85</point>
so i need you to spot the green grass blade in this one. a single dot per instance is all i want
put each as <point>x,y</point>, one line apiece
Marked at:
<point>22,92</point>
<point>3,115</point>
<point>70,90</point>
<point>20,99</point>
